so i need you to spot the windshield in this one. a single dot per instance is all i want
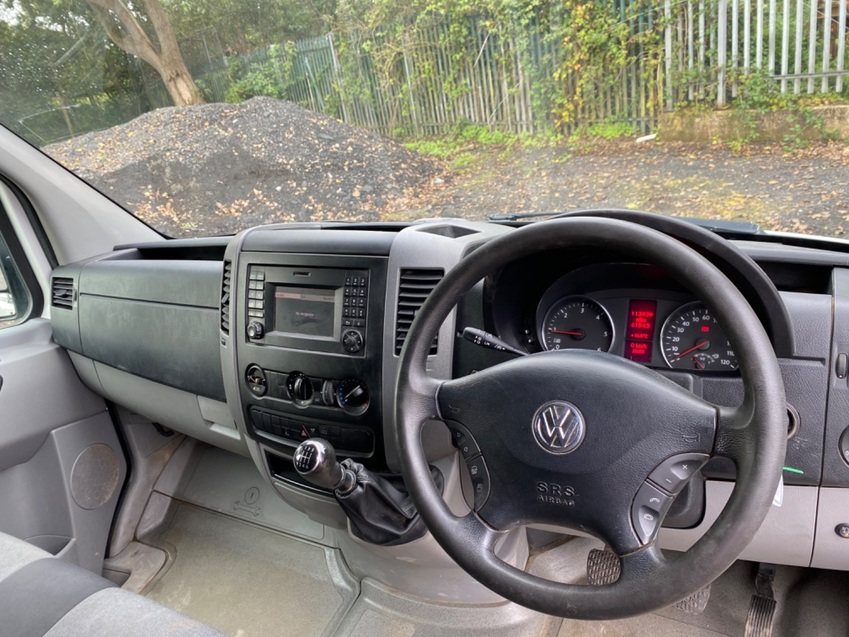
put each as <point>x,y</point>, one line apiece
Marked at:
<point>204,117</point>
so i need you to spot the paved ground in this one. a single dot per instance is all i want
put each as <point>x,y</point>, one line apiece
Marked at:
<point>806,190</point>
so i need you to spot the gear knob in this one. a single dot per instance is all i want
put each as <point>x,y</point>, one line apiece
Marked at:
<point>315,460</point>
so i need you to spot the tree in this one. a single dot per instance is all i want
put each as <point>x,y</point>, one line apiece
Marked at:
<point>129,29</point>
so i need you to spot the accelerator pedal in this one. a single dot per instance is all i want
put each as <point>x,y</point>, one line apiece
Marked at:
<point>602,567</point>
<point>759,621</point>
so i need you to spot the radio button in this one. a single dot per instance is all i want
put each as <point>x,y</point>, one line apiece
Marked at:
<point>255,330</point>
<point>352,341</point>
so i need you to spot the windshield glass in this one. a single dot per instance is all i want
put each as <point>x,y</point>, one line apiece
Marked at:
<point>205,117</point>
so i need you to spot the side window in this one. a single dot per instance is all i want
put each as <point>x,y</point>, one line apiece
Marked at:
<point>15,300</point>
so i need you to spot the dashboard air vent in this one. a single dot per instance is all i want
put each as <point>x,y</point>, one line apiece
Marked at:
<point>225,296</point>
<point>414,287</point>
<point>63,292</point>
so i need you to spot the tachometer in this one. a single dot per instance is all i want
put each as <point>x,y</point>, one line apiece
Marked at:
<point>577,322</point>
<point>692,339</point>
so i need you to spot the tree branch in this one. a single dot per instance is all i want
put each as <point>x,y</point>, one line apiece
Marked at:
<point>133,39</point>
<point>162,27</point>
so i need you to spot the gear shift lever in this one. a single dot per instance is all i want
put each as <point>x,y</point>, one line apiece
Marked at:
<point>378,507</point>
<point>315,460</point>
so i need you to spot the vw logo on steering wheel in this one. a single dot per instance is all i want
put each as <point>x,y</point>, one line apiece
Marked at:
<point>559,427</point>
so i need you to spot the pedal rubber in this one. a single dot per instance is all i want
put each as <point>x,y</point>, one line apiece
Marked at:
<point>696,603</point>
<point>760,618</point>
<point>603,567</point>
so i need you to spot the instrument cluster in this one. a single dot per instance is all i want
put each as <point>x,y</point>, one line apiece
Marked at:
<point>654,331</point>
<point>635,312</point>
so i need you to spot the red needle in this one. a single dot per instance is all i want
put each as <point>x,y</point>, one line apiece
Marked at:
<point>698,362</point>
<point>692,349</point>
<point>577,333</point>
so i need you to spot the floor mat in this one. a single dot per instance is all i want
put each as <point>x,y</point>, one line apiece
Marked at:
<point>281,585</point>
<point>380,612</point>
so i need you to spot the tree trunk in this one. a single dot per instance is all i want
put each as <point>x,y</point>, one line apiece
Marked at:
<point>126,31</point>
<point>182,89</point>
<point>178,81</point>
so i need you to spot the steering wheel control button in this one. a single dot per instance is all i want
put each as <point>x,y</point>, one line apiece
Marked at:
<point>844,445</point>
<point>841,366</point>
<point>257,381</point>
<point>672,474</point>
<point>464,441</point>
<point>842,530</point>
<point>559,427</point>
<point>480,481</point>
<point>648,510</point>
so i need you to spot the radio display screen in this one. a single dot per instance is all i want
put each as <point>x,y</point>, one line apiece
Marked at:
<point>304,311</point>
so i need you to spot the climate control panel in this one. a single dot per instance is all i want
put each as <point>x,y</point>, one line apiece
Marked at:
<point>348,394</point>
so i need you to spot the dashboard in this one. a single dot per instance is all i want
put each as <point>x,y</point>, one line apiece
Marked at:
<point>288,332</point>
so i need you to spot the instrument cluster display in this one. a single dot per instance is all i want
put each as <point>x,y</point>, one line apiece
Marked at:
<point>661,332</point>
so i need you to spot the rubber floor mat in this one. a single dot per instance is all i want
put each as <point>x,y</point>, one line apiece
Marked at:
<point>247,581</point>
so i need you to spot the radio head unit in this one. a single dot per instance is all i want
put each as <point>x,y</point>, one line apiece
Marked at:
<point>308,308</point>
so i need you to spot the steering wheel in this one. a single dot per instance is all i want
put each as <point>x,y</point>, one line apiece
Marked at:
<point>591,441</point>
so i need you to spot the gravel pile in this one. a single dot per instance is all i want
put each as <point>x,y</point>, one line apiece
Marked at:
<point>219,168</point>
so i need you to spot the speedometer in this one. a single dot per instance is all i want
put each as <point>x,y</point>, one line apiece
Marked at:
<point>577,322</point>
<point>691,338</point>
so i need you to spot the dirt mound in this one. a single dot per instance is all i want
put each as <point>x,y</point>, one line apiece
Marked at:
<point>218,168</point>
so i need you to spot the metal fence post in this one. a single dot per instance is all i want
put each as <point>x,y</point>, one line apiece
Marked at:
<point>841,47</point>
<point>797,62</point>
<point>721,50</point>
<point>667,12</point>
<point>812,44</point>
<point>826,43</point>
<point>785,44</point>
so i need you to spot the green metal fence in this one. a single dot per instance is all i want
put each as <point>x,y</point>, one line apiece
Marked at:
<point>436,78</point>
<point>430,82</point>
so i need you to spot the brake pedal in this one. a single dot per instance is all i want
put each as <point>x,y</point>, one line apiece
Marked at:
<point>602,567</point>
<point>759,621</point>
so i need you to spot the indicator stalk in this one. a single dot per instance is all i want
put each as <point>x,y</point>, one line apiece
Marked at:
<point>489,341</point>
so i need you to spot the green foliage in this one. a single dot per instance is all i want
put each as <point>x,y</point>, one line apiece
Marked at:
<point>464,138</point>
<point>269,75</point>
<point>441,148</point>
<point>609,130</point>
<point>599,47</point>
<point>59,73</point>
<point>757,91</point>
<point>243,27</point>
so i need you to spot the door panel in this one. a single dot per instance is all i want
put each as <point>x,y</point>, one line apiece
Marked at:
<point>61,463</point>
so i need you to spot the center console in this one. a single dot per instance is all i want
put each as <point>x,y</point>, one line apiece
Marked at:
<point>307,331</point>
